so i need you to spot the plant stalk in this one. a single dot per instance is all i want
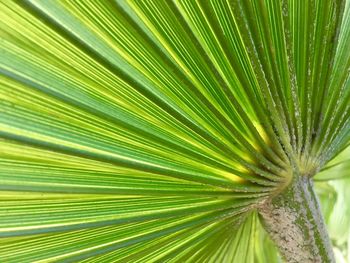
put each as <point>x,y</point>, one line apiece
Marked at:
<point>295,223</point>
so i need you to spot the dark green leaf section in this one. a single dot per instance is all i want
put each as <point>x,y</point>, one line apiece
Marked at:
<point>147,131</point>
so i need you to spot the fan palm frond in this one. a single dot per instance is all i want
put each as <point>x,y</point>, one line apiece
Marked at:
<point>151,131</point>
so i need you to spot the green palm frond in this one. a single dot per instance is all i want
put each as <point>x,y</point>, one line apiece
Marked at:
<point>150,131</point>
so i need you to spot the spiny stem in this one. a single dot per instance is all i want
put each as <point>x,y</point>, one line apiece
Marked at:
<point>294,222</point>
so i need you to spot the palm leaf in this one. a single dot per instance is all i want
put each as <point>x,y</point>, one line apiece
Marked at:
<point>150,131</point>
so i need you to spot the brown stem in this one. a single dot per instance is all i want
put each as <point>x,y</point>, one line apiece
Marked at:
<point>294,222</point>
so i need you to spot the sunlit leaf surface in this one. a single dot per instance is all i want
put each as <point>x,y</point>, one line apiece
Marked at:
<point>149,131</point>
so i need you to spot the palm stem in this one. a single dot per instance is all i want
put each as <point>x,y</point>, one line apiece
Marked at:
<point>294,222</point>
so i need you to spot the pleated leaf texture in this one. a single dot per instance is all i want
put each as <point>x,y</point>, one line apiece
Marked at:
<point>150,131</point>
